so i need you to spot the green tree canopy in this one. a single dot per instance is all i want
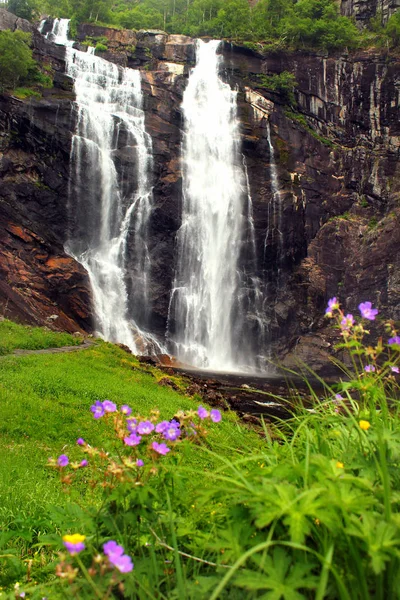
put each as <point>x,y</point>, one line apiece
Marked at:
<point>16,60</point>
<point>25,9</point>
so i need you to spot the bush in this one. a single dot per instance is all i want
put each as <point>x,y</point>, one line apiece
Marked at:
<point>284,84</point>
<point>392,30</point>
<point>22,8</point>
<point>22,93</point>
<point>16,60</point>
<point>317,24</point>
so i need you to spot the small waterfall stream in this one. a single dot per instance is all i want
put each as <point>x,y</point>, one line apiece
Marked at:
<point>110,208</point>
<point>275,210</point>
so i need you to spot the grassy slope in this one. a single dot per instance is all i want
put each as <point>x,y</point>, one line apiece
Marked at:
<point>13,336</point>
<point>45,405</point>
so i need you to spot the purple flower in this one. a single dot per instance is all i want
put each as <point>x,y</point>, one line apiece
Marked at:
<point>83,463</point>
<point>126,410</point>
<point>369,368</point>
<point>131,425</point>
<point>215,415</point>
<point>97,409</point>
<point>116,556</point>
<point>394,340</point>
<point>338,398</point>
<point>80,442</point>
<point>132,439</point>
<point>161,427</point>
<point>347,322</point>
<point>202,412</point>
<point>111,548</point>
<point>395,369</point>
<point>160,448</point>
<point>145,427</point>
<point>123,563</point>
<point>109,406</point>
<point>139,463</point>
<point>62,460</point>
<point>172,432</point>
<point>367,312</point>
<point>332,304</point>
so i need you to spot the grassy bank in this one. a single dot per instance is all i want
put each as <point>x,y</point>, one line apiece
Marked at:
<point>14,336</point>
<point>309,510</point>
<point>44,405</point>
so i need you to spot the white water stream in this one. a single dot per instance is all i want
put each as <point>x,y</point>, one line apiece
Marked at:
<point>274,215</point>
<point>107,209</point>
<point>204,299</point>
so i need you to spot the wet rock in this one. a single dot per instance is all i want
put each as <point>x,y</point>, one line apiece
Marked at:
<point>166,382</point>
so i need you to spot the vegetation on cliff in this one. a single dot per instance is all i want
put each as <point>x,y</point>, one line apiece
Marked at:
<point>17,66</point>
<point>185,502</point>
<point>16,62</point>
<point>294,24</point>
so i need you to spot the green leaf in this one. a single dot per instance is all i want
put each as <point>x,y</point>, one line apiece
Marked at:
<point>279,576</point>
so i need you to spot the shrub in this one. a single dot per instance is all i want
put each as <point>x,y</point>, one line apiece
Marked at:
<point>22,93</point>
<point>284,84</point>
<point>392,30</point>
<point>22,8</point>
<point>15,58</point>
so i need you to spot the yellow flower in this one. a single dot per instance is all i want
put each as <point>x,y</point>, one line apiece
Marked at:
<point>364,425</point>
<point>74,538</point>
<point>340,465</point>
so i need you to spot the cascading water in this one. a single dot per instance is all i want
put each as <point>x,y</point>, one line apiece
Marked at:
<point>274,215</point>
<point>109,209</point>
<point>205,324</point>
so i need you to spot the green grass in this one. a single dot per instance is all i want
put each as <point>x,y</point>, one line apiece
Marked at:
<point>45,406</point>
<point>13,336</point>
<point>25,92</point>
<point>312,508</point>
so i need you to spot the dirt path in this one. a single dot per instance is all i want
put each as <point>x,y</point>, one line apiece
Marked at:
<point>86,344</point>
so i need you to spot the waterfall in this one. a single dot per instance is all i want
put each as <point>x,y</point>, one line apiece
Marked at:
<point>255,293</point>
<point>59,32</point>
<point>274,215</point>
<point>204,321</point>
<point>110,193</point>
<point>41,25</point>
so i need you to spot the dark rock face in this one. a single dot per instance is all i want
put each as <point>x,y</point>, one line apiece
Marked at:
<point>363,10</point>
<point>337,165</point>
<point>38,280</point>
<point>39,283</point>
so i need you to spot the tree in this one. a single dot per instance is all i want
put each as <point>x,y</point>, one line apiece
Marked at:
<point>25,9</point>
<point>392,29</point>
<point>16,60</point>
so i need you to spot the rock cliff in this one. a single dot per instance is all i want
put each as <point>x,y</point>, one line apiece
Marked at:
<point>337,163</point>
<point>363,10</point>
